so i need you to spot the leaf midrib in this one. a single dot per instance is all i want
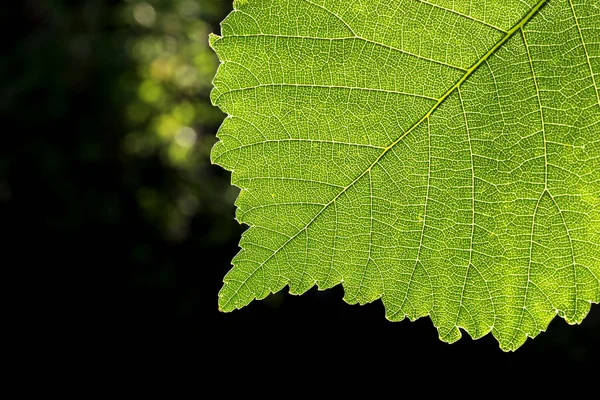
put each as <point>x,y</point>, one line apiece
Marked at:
<point>466,75</point>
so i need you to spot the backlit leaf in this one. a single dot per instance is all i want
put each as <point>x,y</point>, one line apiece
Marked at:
<point>442,156</point>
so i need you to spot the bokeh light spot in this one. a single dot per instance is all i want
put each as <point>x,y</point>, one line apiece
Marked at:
<point>144,14</point>
<point>186,137</point>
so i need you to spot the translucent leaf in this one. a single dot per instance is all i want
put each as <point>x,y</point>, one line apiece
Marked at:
<point>442,156</point>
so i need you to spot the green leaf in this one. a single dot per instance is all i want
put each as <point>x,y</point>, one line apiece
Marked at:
<point>440,155</point>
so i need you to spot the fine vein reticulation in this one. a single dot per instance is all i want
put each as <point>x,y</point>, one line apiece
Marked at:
<point>440,156</point>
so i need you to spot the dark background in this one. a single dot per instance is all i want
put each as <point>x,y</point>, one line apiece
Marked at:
<point>108,194</point>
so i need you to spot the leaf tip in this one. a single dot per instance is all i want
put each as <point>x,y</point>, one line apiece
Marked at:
<point>239,3</point>
<point>212,38</point>
<point>224,306</point>
<point>452,336</point>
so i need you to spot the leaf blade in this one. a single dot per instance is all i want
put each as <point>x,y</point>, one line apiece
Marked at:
<point>328,197</point>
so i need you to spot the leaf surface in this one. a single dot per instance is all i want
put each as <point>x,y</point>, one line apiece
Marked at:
<point>442,156</point>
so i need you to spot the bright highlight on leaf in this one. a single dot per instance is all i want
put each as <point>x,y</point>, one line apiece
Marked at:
<point>440,155</point>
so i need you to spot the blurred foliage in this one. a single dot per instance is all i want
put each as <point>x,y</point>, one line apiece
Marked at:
<point>170,115</point>
<point>107,103</point>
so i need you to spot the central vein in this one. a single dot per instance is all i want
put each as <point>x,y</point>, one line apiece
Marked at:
<point>467,74</point>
